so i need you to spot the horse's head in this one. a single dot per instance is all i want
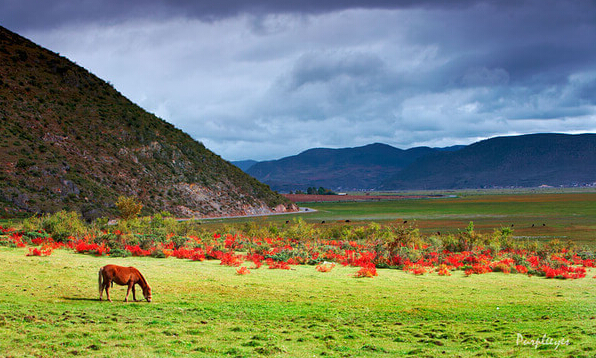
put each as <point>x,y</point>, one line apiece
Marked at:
<point>147,293</point>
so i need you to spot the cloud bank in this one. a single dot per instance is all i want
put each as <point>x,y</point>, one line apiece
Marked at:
<point>266,79</point>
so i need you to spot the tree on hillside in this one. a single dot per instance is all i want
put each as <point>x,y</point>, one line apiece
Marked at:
<point>129,207</point>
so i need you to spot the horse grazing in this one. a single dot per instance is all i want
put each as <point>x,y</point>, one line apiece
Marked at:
<point>128,276</point>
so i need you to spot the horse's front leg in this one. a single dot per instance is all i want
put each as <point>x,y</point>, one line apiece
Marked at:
<point>134,297</point>
<point>130,286</point>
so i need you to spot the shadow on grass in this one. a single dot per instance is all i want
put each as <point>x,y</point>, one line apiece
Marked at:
<point>82,299</point>
<point>97,300</point>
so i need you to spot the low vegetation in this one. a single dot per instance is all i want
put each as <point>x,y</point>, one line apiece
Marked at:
<point>368,247</point>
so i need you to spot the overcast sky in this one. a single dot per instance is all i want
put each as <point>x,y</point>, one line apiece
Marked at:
<point>264,79</point>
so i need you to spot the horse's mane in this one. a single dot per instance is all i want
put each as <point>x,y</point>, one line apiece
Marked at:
<point>143,279</point>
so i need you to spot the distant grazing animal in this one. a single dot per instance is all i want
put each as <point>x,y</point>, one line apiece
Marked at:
<point>124,276</point>
<point>322,222</point>
<point>347,221</point>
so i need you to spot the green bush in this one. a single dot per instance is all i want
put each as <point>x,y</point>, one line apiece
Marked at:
<point>300,230</point>
<point>158,254</point>
<point>110,240</point>
<point>59,225</point>
<point>119,253</point>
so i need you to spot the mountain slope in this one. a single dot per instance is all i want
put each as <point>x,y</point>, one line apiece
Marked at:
<point>338,169</point>
<point>71,141</point>
<point>524,161</point>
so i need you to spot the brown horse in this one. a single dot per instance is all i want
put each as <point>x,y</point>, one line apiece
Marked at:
<point>129,276</point>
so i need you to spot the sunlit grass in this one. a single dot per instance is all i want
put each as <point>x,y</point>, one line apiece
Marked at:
<point>49,307</point>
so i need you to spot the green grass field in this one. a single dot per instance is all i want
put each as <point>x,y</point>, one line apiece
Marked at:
<point>49,308</point>
<point>566,216</point>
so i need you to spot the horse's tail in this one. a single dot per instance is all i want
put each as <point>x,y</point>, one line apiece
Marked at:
<point>100,280</point>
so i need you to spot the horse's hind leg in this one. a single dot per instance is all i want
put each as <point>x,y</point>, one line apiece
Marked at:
<point>100,282</point>
<point>107,287</point>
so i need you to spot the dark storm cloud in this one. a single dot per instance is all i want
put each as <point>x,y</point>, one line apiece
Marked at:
<point>20,15</point>
<point>535,41</point>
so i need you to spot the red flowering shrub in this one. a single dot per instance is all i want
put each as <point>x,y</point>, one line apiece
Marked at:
<point>136,250</point>
<point>34,251</point>
<point>100,250</point>
<point>229,259</point>
<point>417,269</point>
<point>564,272</point>
<point>444,271</point>
<point>477,269</point>
<point>37,241</point>
<point>534,261</point>
<point>504,266</point>
<point>256,260</point>
<point>182,253</point>
<point>197,255</point>
<point>17,239</point>
<point>282,265</point>
<point>367,271</point>
<point>6,230</point>
<point>82,246</point>
<point>454,259</point>
<point>325,267</point>
<point>242,271</point>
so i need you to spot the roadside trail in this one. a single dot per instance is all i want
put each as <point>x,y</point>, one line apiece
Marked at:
<point>301,210</point>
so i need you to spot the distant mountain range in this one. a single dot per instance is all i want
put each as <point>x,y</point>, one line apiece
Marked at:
<point>516,161</point>
<point>71,141</point>
<point>519,161</point>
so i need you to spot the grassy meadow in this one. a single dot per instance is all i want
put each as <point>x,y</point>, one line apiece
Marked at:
<point>49,305</point>
<point>49,308</point>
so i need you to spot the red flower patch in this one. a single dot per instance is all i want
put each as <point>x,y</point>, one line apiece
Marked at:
<point>369,271</point>
<point>229,259</point>
<point>325,267</point>
<point>242,271</point>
